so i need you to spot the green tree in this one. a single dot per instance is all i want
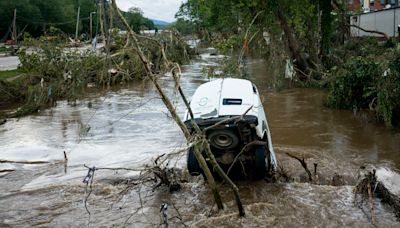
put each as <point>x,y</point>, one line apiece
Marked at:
<point>185,27</point>
<point>28,12</point>
<point>326,25</point>
<point>299,21</point>
<point>38,16</point>
<point>137,21</point>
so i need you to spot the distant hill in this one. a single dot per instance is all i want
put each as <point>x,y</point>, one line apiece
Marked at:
<point>159,23</point>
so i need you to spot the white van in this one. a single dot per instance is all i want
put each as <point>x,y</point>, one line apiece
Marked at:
<point>221,99</point>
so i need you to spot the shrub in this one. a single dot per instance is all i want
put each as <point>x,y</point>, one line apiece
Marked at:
<point>362,82</point>
<point>388,95</point>
<point>354,83</point>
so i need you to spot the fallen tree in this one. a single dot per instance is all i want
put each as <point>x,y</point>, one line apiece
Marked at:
<point>197,140</point>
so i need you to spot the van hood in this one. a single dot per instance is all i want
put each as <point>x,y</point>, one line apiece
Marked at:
<point>224,97</point>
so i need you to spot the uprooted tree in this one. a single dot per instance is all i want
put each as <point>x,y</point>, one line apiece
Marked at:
<point>197,139</point>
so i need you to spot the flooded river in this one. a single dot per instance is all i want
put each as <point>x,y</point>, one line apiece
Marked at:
<point>129,127</point>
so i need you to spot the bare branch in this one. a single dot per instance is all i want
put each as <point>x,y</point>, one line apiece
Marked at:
<point>303,164</point>
<point>370,31</point>
<point>172,110</point>
<point>228,120</point>
<point>254,143</point>
<point>24,162</point>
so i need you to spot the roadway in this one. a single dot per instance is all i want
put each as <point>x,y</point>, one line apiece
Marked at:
<point>9,63</point>
<point>12,62</point>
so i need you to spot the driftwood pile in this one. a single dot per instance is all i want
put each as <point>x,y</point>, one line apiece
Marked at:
<point>382,183</point>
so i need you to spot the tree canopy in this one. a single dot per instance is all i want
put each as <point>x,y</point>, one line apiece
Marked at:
<point>137,21</point>
<point>36,17</point>
<point>306,25</point>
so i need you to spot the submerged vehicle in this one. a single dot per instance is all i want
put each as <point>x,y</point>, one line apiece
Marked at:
<point>231,112</point>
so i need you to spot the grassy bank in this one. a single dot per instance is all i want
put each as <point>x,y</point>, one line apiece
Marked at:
<point>7,74</point>
<point>6,48</point>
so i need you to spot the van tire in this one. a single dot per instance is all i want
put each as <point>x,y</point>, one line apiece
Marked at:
<point>192,163</point>
<point>260,168</point>
<point>223,139</point>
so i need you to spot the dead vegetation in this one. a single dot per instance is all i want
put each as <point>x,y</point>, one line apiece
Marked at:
<point>53,71</point>
<point>135,59</point>
<point>371,185</point>
<point>196,139</point>
<point>164,178</point>
<point>367,188</point>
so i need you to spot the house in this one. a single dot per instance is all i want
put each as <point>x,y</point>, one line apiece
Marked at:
<point>371,5</point>
<point>374,15</point>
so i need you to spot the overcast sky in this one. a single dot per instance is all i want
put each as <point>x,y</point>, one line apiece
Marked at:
<point>155,9</point>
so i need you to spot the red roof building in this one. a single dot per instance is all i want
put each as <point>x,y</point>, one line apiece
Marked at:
<point>372,5</point>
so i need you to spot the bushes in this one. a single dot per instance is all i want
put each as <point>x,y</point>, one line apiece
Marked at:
<point>55,72</point>
<point>368,82</point>
<point>9,93</point>
<point>388,94</point>
<point>356,47</point>
<point>234,42</point>
<point>353,84</point>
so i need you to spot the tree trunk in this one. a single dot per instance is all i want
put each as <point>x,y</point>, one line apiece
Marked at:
<point>326,26</point>
<point>172,110</point>
<point>301,62</point>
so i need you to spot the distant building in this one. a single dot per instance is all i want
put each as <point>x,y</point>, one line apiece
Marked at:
<point>371,5</point>
<point>354,5</point>
<point>378,17</point>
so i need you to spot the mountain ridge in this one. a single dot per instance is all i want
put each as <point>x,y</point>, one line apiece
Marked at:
<point>160,23</point>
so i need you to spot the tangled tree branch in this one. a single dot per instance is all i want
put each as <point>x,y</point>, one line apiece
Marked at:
<point>189,137</point>
<point>370,31</point>
<point>303,164</point>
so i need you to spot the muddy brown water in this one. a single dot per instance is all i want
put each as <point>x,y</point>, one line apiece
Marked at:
<point>129,127</point>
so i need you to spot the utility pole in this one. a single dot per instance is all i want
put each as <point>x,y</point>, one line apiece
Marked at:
<point>77,23</point>
<point>14,31</point>
<point>91,24</point>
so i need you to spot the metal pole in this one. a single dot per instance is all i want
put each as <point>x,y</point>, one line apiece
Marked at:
<point>91,28</point>
<point>394,22</point>
<point>14,32</point>
<point>77,23</point>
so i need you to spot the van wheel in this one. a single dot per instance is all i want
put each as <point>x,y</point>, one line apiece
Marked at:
<point>192,163</point>
<point>260,169</point>
<point>223,139</point>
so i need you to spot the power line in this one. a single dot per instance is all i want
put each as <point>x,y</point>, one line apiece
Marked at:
<point>50,23</point>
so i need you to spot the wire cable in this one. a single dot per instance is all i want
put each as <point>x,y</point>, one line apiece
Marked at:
<point>50,23</point>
